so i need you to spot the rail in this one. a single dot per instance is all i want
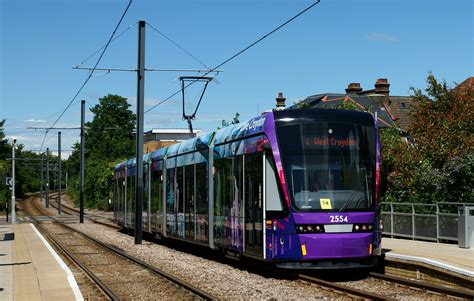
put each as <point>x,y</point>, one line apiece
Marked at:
<point>114,250</point>
<point>461,293</point>
<point>96,280</point>
<point>342,288</point>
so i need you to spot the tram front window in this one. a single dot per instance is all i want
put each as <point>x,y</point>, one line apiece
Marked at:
<point>329,165</point>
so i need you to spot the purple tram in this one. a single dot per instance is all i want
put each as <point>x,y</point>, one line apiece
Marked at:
<point>298,188</point>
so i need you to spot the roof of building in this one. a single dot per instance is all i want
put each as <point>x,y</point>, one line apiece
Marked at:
<point>391,110</point>
<point>172,131</point>
<point>466,86</point>
<point>365,102</point>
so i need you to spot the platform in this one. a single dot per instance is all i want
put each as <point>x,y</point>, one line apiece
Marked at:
<point>30,269</point>
<point>445,257</point>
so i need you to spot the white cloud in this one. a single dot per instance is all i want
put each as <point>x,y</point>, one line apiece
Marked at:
<point>381,37</point>
<point>35,120</point>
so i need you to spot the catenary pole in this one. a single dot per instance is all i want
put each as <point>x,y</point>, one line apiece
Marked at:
<point>59,172</point>
<point>41,184</point>
<point>13,214</point>
<point>47,178</point>
<point>81,183</point>
<point>139,135</point>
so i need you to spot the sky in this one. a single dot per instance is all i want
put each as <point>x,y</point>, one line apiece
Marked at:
<point>331,45</point>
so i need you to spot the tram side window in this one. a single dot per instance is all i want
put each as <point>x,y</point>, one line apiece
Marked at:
<point>189,200</point>
<point>145,194</point>
<point>222,198</point>
<point>272,194</point>
<point>170,201</point>
<point>179,201</point>
<point>236,205</point>
<point>131,201</point>
<point>202,203</point>
<point>156,200</point>
<point>254,203</point>
<point>120,198</point>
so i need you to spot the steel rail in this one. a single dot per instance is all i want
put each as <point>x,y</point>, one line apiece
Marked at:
<point>343,288</point>
<point>94,278</point>
<point>91,217</point>
<point>117,251</point>
<point>462,293</point>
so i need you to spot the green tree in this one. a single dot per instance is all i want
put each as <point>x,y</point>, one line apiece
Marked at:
<point>109,140</point>
<point>439,166</point>
<point>110,134</point>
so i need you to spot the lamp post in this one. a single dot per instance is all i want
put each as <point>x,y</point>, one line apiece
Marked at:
<point>13,182</point>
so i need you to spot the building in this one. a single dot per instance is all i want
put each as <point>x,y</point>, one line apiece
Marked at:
<point>466,87</point>
<point>392,111</point>
<point>158,138</point>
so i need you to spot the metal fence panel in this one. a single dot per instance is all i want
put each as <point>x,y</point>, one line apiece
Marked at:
<point>448,226</point>
<point>387,223</point>
<point>402,224</point>
<point>425,227</point>
<point>433,222</point>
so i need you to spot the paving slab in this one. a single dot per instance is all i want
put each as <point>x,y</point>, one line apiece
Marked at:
<point>6,268</point>
<point>30,269</point>
<point>444,256</point>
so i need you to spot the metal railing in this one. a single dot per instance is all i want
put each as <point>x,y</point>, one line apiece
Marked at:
<point>433,222</point>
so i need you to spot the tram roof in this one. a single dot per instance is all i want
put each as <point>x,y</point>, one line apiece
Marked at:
<point>240,130</point>
<point>159,154</point>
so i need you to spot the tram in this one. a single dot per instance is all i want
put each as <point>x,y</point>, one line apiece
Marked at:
<point>297,188</point>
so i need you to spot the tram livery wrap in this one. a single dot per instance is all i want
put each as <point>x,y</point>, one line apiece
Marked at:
<point>298,188</point>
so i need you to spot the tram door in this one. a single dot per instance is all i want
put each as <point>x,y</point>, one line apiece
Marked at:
<point>254,204</point>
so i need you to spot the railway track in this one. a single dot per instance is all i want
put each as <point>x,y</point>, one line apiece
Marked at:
<point>448,292</point>
<point>345,290</point>
<point>116,275</point>
<point>382,287</point>
<point>98,219</point>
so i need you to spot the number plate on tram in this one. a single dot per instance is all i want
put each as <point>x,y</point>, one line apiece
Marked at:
<point>338,218</point>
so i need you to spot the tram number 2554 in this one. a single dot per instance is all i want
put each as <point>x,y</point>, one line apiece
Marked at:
<point>338,218</point>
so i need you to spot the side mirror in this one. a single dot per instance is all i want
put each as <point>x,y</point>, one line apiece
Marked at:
<point>266,146</point>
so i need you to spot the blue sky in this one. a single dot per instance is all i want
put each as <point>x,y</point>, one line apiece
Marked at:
<point>333,44</point>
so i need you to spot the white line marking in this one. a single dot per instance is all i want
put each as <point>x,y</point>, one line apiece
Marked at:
<point>432,262</point>
<point>70,276</point>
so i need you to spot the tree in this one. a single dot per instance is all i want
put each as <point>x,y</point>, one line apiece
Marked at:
<point>110,134</point>
<point>109,140</point>
<point>439,167</point>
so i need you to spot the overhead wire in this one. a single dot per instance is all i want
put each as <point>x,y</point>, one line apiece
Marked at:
<point>115,38</point>
<point>90,73</point>
<point>238,53</point>
<point>179,46</point>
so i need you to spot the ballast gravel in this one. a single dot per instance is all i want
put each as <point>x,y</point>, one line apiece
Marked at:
<point>216,278</point>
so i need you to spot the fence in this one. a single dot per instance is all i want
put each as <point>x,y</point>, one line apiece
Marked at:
<point>433,222</point>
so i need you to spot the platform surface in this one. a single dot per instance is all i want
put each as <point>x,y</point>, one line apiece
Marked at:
<point>443,256</point>
<point>30,269</point>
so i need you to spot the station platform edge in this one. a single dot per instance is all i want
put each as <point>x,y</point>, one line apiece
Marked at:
<point>30,269</point>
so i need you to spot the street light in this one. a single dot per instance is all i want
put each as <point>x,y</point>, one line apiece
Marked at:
<point>13,182</point>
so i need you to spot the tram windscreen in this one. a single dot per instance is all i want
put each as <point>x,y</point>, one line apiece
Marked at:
<point>329,165</point>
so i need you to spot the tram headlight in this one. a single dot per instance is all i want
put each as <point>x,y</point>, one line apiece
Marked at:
<point>309,228</point>
<point>362,228</point>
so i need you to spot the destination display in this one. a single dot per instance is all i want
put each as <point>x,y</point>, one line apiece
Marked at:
<point>325,142</point>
